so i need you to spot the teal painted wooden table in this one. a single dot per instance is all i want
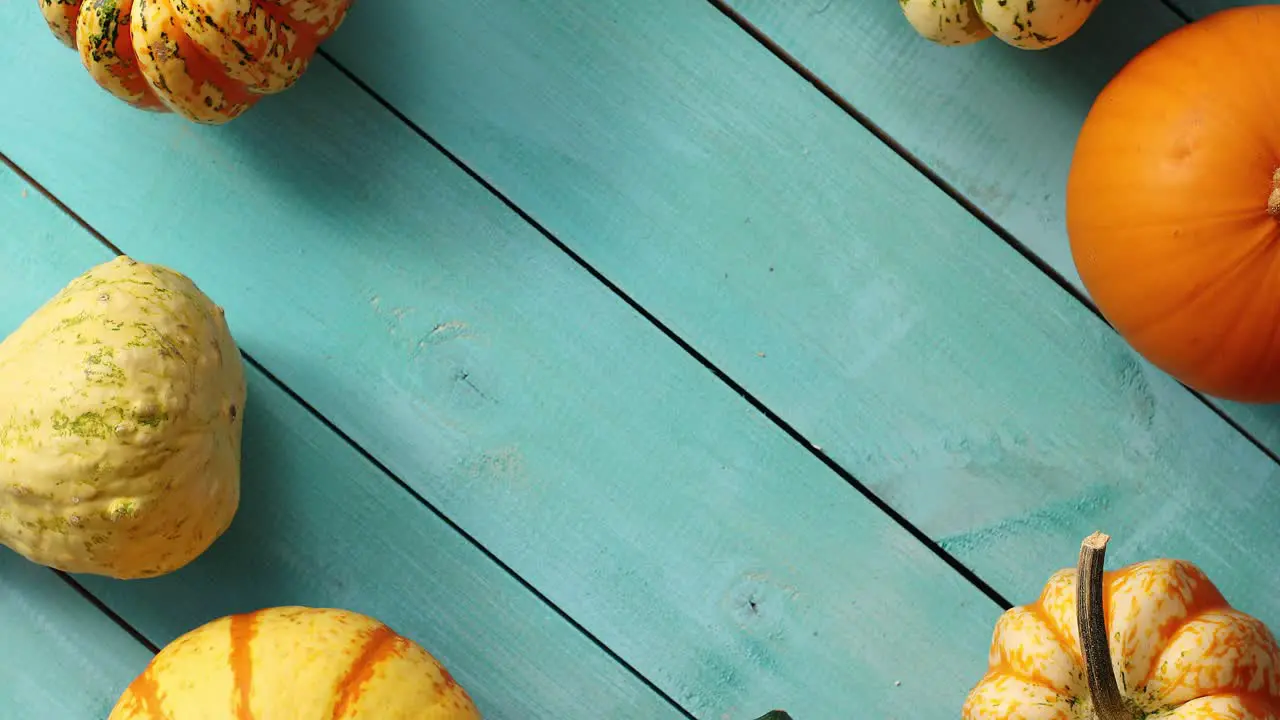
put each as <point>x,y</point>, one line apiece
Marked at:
<point>607,350</point>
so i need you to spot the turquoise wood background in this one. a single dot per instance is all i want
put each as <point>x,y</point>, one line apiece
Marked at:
<point>597,349</point>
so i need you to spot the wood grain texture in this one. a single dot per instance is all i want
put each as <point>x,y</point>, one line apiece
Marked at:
<point>997,123</point>
<point>816,267</point>
<point>318,525</point>
<point>549,419</point>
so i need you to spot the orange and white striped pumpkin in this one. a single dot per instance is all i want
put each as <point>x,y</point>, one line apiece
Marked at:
<point>294,663</point>
<point>206,60</point>
<point>1177,650</point>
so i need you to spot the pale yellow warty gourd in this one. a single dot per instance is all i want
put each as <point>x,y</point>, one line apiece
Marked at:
<point>121,405</point>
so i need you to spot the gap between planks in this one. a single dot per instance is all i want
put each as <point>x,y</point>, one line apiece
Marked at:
<point>364,453</point>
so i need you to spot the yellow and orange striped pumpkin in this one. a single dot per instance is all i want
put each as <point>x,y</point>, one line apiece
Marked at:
<point>294,663</point>
<point>206,60</point>
<point>1160,642</point>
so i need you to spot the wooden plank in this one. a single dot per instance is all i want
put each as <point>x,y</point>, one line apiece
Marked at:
<point>545,416</point>
<point>319,525</point>
<point>62,658</point>
<point>719,188</point>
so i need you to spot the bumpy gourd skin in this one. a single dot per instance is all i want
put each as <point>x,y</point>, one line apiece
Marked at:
<point>946,22</point>
<point>207,60</point>
<point>294,663</point>
<point>1035,25</point>
<point>121,407</point>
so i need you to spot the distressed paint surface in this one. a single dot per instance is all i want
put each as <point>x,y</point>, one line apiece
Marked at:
<point>818,269</point>
<point>496,377</point>
<point>319,525</point>
<point>653,212</point>
<point>1015,172</point>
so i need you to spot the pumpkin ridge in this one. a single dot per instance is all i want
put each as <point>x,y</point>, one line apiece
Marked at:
<point>1031,679</point>
<point>206,94</point>
<point>104,41</point>
<point>61,17</point>
<point>1152,576</point>
<point>1236,40</point>
<point>1225,639</point>
<point>308,34</point>
<point>181,19</point>
<point>244,68</point>
<point>380,645</point>
<point>243,628</point>
<point>146,692</point>
<point>1229,276</point>
<point>1037,609</point>
<point>1273,338</point>
<point>1240,325</point>
<point>206,55</point>
<point>1178,624</point>
<point>306,42</point>
<point>260,45</point>
<point>309,37</point>
<point>1258,703</point>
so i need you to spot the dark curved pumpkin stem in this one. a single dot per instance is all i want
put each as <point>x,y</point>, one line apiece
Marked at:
<point>1108,704</point>
<point>775,715</point>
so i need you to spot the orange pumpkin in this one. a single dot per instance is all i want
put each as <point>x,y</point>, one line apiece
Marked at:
<point>1173,203</point>
<point>294,662</point>
<point>206,60</point>
<point>1159,641</point>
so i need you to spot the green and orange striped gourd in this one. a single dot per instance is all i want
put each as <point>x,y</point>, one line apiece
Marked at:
<point>288,663</point>
<point>205,60</point>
